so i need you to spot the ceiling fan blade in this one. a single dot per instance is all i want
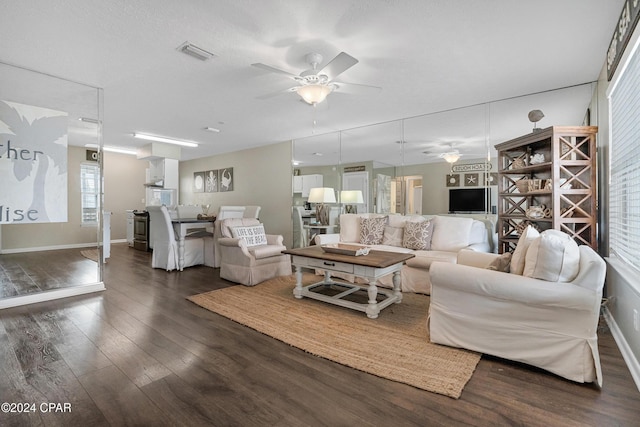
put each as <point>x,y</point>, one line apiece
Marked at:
<point>274,94</point>
<point>338,65</point>
<point>274,70</point>
<point>355,88</point>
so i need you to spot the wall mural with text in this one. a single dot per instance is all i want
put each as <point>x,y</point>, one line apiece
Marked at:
<point>33,164</point>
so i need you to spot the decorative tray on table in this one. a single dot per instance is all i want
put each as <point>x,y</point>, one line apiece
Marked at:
<point>344,249</point>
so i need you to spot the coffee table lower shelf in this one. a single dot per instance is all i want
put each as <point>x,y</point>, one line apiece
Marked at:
<point>372,308</point>
<point>370,267</point>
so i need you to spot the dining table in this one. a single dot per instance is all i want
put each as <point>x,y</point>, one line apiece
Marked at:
<point>182,226</point>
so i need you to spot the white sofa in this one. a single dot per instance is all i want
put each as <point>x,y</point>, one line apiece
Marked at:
<point>544,323</point>
<point>450,234</point>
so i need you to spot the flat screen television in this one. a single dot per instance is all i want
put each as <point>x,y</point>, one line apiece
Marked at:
<point>464,200</point>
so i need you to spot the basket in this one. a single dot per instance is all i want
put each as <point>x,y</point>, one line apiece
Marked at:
<point>523,186</point>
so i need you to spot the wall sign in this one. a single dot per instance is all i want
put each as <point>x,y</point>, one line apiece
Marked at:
<point>622,34</point>
<point>354,169</point>
<point>33,164</point>
<point>474,167</point>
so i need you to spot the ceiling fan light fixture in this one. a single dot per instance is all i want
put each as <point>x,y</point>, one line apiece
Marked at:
<point>451,157</point>
<point>314,93</point>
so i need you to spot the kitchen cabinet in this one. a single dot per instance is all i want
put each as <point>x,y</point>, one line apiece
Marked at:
<point>130,217</point>
<point>304,183</point>
<point>165,170</point>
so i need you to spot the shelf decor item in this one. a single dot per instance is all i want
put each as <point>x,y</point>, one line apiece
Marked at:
<point>522,185</point>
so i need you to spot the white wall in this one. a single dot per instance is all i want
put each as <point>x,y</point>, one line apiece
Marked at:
<point>262,176</point>
<point>124,176</point>
<point>121,175</point>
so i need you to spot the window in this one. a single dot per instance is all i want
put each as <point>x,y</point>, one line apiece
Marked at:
<point>624,192</point>
<point>90,196</point>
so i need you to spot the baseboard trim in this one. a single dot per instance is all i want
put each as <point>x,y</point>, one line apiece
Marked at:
<point>627,354</point>
<point>50,248</point>
<point>57,247</point>
<point>51,295</point>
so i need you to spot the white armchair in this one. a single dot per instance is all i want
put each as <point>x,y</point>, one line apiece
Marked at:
<point>223,213</point>
<point>253,259</point>
<point>551,325</point>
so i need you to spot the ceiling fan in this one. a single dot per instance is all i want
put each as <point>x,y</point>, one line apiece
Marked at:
<point>448,152</point>
<point>314,84</point>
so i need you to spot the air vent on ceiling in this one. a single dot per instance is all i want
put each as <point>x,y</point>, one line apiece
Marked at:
<point>195,51</point>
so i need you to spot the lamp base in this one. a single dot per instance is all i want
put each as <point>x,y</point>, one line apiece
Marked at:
<point>352,209</point>
<point>322,214</point>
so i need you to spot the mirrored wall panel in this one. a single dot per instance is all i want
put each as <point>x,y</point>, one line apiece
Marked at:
<point>413,165</point>
<point>50,217</point>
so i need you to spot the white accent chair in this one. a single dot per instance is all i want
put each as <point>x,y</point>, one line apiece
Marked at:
<point>551,325</point>
<point>165,249</point>
<point>224,212</point>
<point>250,265</point>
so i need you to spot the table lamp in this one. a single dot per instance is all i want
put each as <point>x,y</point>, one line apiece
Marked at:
<point>320,196</point>
<point>350,198</point>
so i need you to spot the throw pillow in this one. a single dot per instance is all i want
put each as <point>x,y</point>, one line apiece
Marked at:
<point>451,233</point>
<point>417,235</point>
<point>554,256</point>
<point>392,236</point>
<point>350,228</point>
<point>372,230</point>
<point>501,263</point>
<point>517,259</point>
<point>252,235</point>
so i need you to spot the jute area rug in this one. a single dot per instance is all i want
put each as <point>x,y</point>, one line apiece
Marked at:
<point>394,346</point>
<point>91,254</point>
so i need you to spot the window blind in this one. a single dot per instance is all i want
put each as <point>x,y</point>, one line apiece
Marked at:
<point>624,192</point>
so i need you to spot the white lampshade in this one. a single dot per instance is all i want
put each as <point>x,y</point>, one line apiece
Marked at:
<point>322,195</point>
<point>315,93</point>
<point>351,197</point>
<point>451,157</point>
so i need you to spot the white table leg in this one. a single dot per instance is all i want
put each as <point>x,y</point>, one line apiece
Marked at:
<point>372,309</point>
<point>297,291</point>
<point>181,253</point>
<point>396,287</point>
<point>327,278</point>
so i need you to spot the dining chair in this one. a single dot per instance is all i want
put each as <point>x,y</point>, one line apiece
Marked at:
<point>251,211</point>
<point>165,250</point>
<point>300,234</point>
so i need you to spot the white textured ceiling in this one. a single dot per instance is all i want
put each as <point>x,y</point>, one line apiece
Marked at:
<point>427,55</point>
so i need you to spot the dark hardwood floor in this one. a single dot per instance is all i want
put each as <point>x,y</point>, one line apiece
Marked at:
<point>141,354</point>
<point>32,272</point>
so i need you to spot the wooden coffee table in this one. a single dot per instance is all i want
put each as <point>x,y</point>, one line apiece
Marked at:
<point>370,267</point>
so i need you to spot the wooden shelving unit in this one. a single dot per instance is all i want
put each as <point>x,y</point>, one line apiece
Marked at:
<point>564,181</point>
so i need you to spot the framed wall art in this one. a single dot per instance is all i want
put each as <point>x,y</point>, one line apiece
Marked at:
<point>225,179</point>
<point>452,180</point>
<point>198,182</point>
<point>211,181</point>
<point>491,178</point>
<point>470,179</point>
